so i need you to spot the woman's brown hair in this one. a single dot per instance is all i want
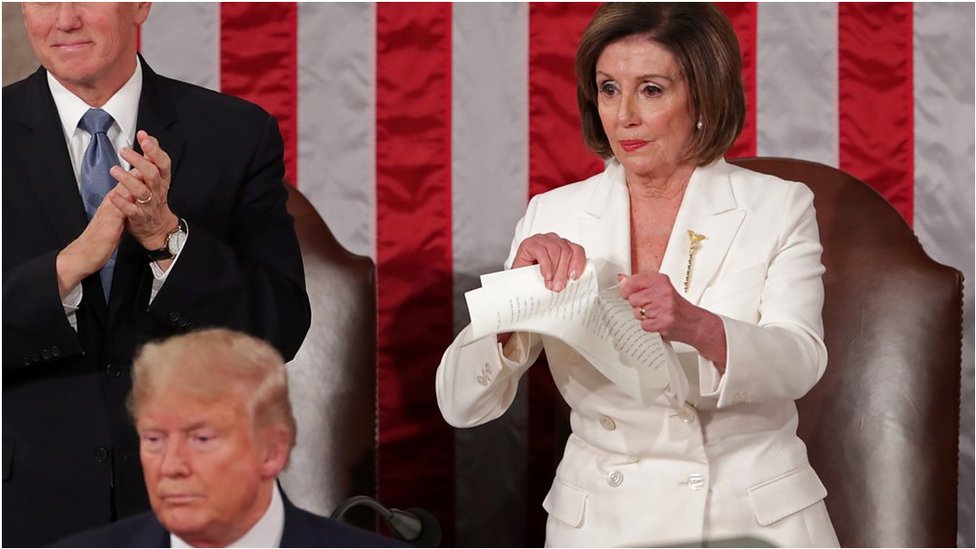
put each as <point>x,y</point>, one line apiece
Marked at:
<point>703,43</point>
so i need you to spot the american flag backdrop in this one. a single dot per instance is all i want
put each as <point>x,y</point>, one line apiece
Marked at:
<point>419,131</point>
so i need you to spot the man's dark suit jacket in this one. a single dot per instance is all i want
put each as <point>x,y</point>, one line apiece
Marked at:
<point>70,454</point>
<point>302,529</point>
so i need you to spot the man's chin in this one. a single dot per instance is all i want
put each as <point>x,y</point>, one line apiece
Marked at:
<point>185,522</point>
<point>71,75</point>
<point>178,509</point>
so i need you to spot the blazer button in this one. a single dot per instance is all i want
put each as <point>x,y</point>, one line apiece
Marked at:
<point>696,482</point>
<point>174,316</point>
<point>55,351</point>
<point>111,370</point>
<point>101,454</point>
<point>46,354</point>
<point>686,413</point>
<point>615,478</point>
<point>27,361</point>
<point>607,423</point>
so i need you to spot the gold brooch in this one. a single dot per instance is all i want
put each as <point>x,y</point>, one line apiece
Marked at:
<point>692,250</point>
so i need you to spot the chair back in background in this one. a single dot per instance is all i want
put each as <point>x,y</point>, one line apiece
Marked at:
<point>882,425</point>
<point>332,380</point>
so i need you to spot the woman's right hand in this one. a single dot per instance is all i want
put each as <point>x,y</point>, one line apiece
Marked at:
<point>559,260</point>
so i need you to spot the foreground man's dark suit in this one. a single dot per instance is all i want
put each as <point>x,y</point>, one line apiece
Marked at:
<point>70,454</point>
<point>302,529</point>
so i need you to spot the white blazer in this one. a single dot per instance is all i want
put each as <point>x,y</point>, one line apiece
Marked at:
<point>726,463</point>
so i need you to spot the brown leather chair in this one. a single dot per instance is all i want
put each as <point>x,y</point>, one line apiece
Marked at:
<point>332,380</point>
<point>882,425</point>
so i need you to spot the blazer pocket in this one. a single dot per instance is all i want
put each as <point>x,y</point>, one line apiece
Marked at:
<point>786,494</point>
<point>566,503</point>
<point>734,284</point>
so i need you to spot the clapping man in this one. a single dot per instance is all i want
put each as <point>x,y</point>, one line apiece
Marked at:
<point>134,207</point>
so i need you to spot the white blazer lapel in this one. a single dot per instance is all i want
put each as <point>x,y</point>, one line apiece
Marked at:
<point>709,209</point>
<point>604,225</point>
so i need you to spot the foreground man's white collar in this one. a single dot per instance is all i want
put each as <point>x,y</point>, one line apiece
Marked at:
<point>266,532</point>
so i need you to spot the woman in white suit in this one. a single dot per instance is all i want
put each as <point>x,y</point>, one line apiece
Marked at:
<point>723,262</point>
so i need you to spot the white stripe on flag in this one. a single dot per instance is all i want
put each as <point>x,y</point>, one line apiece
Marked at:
<point>337,118</point>
<point>489,193</point>
<point>182,41</point>
<point>944,175</point>
<point>489,138</point>
<point>796,84</point>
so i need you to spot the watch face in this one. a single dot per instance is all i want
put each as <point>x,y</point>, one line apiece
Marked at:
<point>175,241</point>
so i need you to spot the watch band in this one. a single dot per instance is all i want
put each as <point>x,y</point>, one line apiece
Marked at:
<point>160,254</point>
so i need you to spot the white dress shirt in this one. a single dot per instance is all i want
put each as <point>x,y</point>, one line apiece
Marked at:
<point>124,109</point>
<point>266,532</point>
<point>123,106</point>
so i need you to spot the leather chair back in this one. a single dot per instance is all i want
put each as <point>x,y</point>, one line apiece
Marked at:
<point>332,380</point>
<point>882,425</point>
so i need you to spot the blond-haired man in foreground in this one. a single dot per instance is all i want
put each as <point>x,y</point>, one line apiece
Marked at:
<point>215,429</point>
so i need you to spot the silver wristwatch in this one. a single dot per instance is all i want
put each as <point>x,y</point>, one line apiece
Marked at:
<point>174,243</point>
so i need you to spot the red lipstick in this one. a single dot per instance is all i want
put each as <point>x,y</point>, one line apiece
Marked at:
<point>632,145</point>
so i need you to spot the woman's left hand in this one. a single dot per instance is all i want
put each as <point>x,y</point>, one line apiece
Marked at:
<point>660,308</point>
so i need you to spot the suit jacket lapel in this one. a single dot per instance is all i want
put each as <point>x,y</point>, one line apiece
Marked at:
<point>709,208</point>
<point>604,225</point>
<point>157,116</point>
<point>46,160</point>
<point>297,531</point>
<point>51,177</point>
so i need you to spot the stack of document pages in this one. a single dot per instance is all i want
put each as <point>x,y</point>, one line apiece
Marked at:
<point>597,323</point>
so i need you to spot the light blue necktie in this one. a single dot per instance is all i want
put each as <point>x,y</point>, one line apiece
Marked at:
<point>96,182</point>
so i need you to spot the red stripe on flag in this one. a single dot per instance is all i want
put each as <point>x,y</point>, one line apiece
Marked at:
<point>259,62</point>
<point>742,15</point>
<point>557,155</point>
<point>413,254</point>
<point>876,98</point>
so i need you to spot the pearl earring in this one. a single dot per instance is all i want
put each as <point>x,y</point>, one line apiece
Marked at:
<point>699,125</point>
